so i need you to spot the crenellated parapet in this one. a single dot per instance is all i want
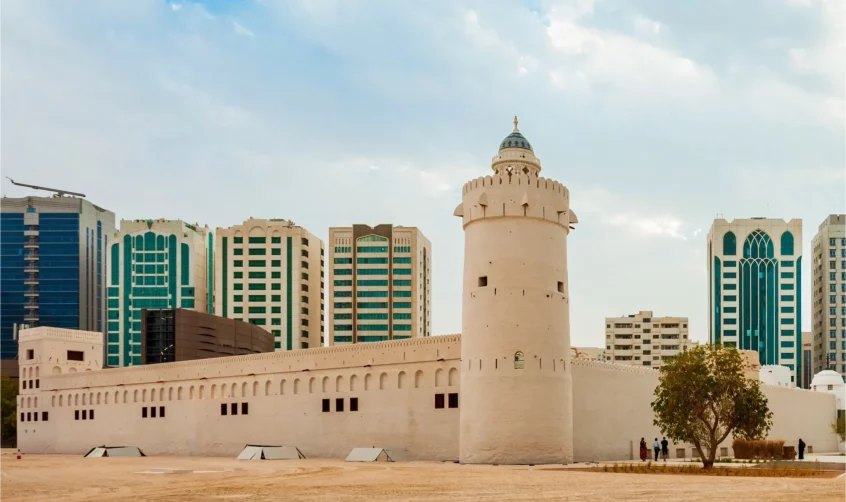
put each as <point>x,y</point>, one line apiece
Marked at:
<point>516,194</point>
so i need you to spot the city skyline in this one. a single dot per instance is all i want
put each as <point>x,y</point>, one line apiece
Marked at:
<point>275,112</point>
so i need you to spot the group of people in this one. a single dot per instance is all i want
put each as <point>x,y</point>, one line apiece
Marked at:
<point>660,447</point>
<point>663,448</point>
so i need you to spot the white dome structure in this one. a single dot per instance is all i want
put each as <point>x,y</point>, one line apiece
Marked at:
<point>831,382</point>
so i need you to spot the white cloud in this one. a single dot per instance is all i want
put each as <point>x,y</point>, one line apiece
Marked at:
<point>241,30</point>
<point>646,27</point>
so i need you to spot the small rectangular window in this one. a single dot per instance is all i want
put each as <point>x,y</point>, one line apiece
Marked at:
<point>245,408</point>
<point>483,281</point>
<point>44,416</point>
<point>76,355</point>
<point>353,404</point>
<point>453,400</point>
<point>326,406</point>
<point>85,414</point>
<point>223,408</point>
<point>23,384</point>
<point>37,384</point>
<point>161,412</point>
<point>144,412</point>
<point>339,404</point>
<point>30,353</point>
<point>29,416</point>
<point>35,416</point>
<point>152,412</point>
<point>23,417</point>
<point>439,401</point>
<point>560,287</point>
<point>90,414</point>
<point>233,409</point>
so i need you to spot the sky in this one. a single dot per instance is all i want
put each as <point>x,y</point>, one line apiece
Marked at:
<point>658,116</point>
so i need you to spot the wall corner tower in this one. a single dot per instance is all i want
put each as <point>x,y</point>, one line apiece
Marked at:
<point>516,383</point>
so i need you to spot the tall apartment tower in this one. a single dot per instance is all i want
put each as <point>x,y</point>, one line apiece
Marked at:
<point>154,264</point>
<point>53,265</point>
<point>829,295</point>
<point>754,289</point>
<point>270,273</point>
<point>645,340</point>
<point>380,283</point>
<point>515,335</point>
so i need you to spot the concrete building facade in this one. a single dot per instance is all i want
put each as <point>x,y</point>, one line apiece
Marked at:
<point>54,261</point>
<point>154,264</point>
<point>645,340</point>
<point>754,289</point>
<point>828,286</point>
<point>380,284</point>
<point>270,273</point>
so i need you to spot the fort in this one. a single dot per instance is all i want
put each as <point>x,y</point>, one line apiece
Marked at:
<point>505,391</point>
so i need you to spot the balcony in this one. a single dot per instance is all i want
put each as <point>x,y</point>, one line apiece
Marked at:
<point>30,233</point>
<point>32,305</point>
<point>31,292</point>
<point>31,269</point>
<point>31,317</point>
<point>31,245</point>
<point>31,280</point>
<point>31,257</point>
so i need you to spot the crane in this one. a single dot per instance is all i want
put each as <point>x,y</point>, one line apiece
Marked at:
<point>59,193</point>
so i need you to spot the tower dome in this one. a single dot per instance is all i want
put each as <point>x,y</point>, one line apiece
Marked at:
<point>516,155</point>
<point>515,140</point>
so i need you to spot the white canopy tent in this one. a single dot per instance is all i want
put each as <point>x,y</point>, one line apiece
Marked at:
<point>266,452</point>
<point>369,455</point>
<point>115,451</point>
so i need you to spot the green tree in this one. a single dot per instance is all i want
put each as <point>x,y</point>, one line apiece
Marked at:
<point>839,427</point>
<point>704,396</point>
<point>8,409</point>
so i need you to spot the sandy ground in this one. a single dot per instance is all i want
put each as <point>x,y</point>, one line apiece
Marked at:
<point>69,478</point>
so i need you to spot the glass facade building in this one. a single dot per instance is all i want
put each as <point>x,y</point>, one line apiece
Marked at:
<point>379,283</point>
<point>154,264</point>
<point>755,295</point>
<point>828,286</point>
<point>53,265</point>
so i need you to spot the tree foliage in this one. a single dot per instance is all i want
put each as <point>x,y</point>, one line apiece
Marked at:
<point>8,408</point>
<point>839,426</point>
<point>704,396</point>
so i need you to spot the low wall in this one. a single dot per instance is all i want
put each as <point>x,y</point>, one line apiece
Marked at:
<point>612,411</point>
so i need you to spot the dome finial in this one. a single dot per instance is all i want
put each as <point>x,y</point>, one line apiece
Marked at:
<point>515,124</point>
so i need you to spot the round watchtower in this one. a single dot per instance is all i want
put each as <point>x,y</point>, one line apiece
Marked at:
<point>516,386</point>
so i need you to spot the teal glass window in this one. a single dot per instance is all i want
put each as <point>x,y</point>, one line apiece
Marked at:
<point>238,251</point>
<point>276,298</point>
<point>238,263</point>
<point>343,294</point>
<point>371,261</point>
<point>402,316</point>
<point>402,294</point>
<point>372,282</point>
<point>730,298</point>
<point>342,316</point>
<point>371,249</point>
<point>238,310</point>
<point>276,287</point>
<point>275,310</point>
<point>343,271</point>
<point>786,320</point>
<point>238,240</point>
<point>402,282</point>
<point>276,275</point>
<point>276,322</point>
<point>257,310</point>
<point>787,275</point>
<point>238,298</point>
<point>257,275</point>
<point>730,264</point>
<point>372,294</point>
<point>729,244</point>
<point>342,260</point>
<point>372,305</point>
<point>372,271</point>
<point>730,275</point>
<point>371,327</point>
<point>402,305</point>
<point>786,287</point>
<point>402,259</point>
<point>258,240</point>
<point>730,287</point>
<point>402,327</point>
<point>257,298</point>
<point>371,317</point>
<point>730,321</point>
<point>786,310</point>
<point>730,310</point>
<point>238,275</point>
<point>787,298</point>
<point>343,305</point>
<point>787,263</point>
<point>258,263</point>
<point>343,282</point>
<point>238,287</point>
<point>276,240</point>
<point>258,252</point>
<point>343,327</point>
<point>402,271</point>
<point>787,244</point>
<point>276,252</point>
<point>372,238</point>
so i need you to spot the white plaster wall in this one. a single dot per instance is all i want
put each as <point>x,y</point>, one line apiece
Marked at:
<point>514,237</point>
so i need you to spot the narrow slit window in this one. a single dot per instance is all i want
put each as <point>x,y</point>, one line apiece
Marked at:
<point>152,412</point>
<point>233,409</point>
<point>90,414</point>
<point>453,400</point>
<point>85,414</point>
<point>161,412</point>
<point>339,404</point>
<point>326,406</point>
<point>245,409</point>
<point>439,401</point>
<point>353,404</point>
<point>223,408</point>
<point>144,412</point>
<point>560,287</point>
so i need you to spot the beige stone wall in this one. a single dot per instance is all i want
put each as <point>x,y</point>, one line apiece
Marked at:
<point>395,383</point>
<point>515,300</point>
<point>612,411</point>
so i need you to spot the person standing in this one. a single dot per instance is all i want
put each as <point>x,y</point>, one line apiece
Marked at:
<point>643,451</point>
<point>657,447</point>
<point>665,448</point>
<point>801,449</point>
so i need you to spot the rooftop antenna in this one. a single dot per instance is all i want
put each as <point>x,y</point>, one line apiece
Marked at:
<point>59,193</point>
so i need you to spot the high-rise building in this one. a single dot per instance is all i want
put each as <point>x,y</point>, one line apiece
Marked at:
<point>270,273</point>
<point>53,265</point>
<point>754,289</point>
<point>154,264</point>
<point>380,283</point>
<point>807,359</point>
<point>645,340</point>
<point>828,314</point>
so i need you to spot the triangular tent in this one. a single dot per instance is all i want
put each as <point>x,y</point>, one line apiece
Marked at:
<point>115,451</point>
<point>266,452</point>
<point>369,455</point>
